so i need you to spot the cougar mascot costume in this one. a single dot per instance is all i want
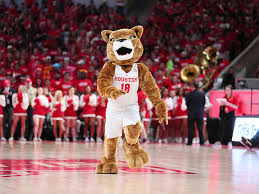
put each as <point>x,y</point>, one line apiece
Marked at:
<point>119,81</point>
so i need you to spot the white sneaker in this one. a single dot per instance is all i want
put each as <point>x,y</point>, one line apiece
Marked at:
<point>165,141</point>
<point>74,139</point>
<point>195,140</point>
<point>92,139</point>
<point>217,144</point>
<point>39,140</point>
<point>160,141</point>
<point>99,140</point>
<point>66,139</point>
<point>230,145</point>
<point>58,140</point>
<point>86,139</point>
<point>10,140</point>
<point>178,140</point>
<point>3,139</point>
<point>35,139</point>
<point>185,140</point>
<point>22,139</point>
<point>207,142</point>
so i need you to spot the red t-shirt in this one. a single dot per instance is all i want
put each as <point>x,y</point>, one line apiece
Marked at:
<point>231,100</point>
<point>55,84</point>
<point>64,86</point>
<point>82,84</point>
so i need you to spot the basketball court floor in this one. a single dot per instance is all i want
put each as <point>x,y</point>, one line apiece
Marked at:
<point>48,167</point>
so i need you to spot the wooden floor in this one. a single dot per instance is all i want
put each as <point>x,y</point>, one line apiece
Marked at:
<point>63,168</point>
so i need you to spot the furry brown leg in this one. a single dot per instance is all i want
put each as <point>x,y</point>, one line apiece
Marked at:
<point>136,157</point>
<point>109,163</point>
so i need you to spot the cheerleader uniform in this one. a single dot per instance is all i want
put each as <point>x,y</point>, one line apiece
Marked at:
<point>180,109</point>
<point>71,107</point>
<point>20,103</point>
<point>148,108</point>
<point>169,105</point>
<point>154,116</point>
<point>40,105</point>
<point>88,102</point>
<point>206,107</point>
<point>101,110</point>
<point>2,104</point>
<point>58,110</point>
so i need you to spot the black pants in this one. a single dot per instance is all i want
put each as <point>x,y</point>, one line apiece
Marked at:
<point>29,123</point>
<point>7,121</point>
<point>199,123</point>
<point>226,128</point>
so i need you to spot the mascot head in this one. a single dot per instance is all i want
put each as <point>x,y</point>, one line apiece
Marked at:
<point>124,46</point>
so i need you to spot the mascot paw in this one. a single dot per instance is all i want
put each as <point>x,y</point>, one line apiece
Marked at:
<point>162,112</point>
<point>117,93</point>
<point>136,157</point>
<point>108,166</point>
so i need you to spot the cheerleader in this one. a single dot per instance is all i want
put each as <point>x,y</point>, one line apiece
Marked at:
<point>206,107</point>
<point>164,130</point>
<point>180,116</point>
<point>147,117</point>
<point>70,115</point>
<point>100,116</point>
<point>58,107</point>
<point>155,123</point>
<point>40,104</point>
<point>20,103</point>
<point>88,102</point>
<point>142,110</point>
<point>2,104</point>
<point>48,122</point>
<point>172,94</point>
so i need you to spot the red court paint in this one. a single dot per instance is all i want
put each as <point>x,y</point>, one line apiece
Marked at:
<point>18,167</point>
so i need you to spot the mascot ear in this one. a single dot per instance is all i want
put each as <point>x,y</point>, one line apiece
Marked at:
<point>105,34</point>
<point>138,30</point>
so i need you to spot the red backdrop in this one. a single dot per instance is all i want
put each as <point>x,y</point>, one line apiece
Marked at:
<point>244,97</point>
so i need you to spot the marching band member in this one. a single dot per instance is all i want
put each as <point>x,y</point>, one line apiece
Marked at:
<point>20,103</point>
<point>70,115</point>
<point>40,104</point>
<point>88,102</point>
<point>58,107</point>
<point>2,104</point>
<point>100,116</point>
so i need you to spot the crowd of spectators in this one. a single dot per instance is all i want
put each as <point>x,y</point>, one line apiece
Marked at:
<point>47,39</point>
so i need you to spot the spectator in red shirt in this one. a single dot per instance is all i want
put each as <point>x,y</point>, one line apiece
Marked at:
<point>66,83</point>
<point>83,82</point>
<point>56,81</point>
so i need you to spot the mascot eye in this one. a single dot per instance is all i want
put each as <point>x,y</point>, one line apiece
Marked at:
<point>132,37</point>
<point>112,39</point>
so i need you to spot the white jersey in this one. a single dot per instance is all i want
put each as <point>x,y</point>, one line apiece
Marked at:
<point>128,82</point>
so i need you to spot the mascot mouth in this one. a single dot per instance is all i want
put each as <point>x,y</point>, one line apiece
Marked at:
<point>124,51</point>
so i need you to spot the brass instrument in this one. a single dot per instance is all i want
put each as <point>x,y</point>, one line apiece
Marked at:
<point>190,73</point>
<point>207,59</point>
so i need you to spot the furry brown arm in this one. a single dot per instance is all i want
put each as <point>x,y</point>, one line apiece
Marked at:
<point>104,82</point>
<point>148,85</point>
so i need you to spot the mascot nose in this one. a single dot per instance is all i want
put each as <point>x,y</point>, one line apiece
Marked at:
<point>121,40</point>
